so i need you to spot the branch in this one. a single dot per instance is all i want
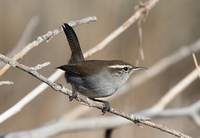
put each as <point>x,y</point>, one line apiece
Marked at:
<point>174,91</point>
<point>5,83</point>
<point>40,66</point>
<point>196,63</point>
<point>109,122</point>
<point>140,49</point>
<point>88,101</point>
<point>141,10</point>
<point>62,126</point>
<point>49,35</point>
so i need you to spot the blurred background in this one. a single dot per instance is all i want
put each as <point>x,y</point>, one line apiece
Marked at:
<point>169,26</point>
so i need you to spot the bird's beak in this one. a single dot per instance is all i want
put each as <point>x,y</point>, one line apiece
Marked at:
<point>139,68</point>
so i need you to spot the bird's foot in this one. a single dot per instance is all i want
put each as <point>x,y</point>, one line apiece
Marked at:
<point>74,95</point>
<point>106,107</point>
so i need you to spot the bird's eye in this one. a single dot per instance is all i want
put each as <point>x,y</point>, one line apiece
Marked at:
<point>125,68</point>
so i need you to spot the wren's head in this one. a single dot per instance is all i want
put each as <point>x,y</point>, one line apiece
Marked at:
<point>121,71</point>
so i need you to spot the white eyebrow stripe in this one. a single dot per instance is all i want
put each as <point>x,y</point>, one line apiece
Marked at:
<point>119,66</point>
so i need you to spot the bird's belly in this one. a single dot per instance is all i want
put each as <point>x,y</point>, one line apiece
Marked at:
<point>96,92</point>
<point>94,87</point>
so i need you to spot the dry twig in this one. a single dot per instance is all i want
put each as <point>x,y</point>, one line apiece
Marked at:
<point>140,49</point>
<point>40,66</point>
<point>174,91</point>
<point>196,63</point>
<point>5,83</point>
<point>141,10</point>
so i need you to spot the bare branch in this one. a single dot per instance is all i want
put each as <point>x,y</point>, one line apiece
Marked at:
<point>174,91</point>
<point>109,122</point>
<point>39,66</point>
<point>62,125</point>
<point>46,37</point>
<point>196,64</point>
<point>89,102</point>
<point>190,111</point>
<point>5,83</point>
<point>147,6</point>
<point>140,50</point>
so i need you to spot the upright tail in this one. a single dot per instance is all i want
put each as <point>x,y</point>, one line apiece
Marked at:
<point>77,54</point>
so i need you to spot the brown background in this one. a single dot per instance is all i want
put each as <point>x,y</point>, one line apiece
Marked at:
<point>170,25</point>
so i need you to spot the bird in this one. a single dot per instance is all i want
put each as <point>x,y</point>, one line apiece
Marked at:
<point>93,78</point>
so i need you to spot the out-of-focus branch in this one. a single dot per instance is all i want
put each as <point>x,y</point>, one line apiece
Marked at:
<point>89,102</point>
<point>190,111</point>
<point>46,37</point>
<point>140,11</point>
<point>25,37</point>
<point>5,83</point>
<point>140,49</point>
<point>174,91</point>
<point>196,63</point>
<point>62,125</point>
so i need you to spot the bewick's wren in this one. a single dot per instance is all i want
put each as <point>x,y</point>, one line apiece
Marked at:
<point>94,78</point>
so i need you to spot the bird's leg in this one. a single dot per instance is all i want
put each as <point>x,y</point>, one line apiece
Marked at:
<point>106,107</point>
<point>74,93</point>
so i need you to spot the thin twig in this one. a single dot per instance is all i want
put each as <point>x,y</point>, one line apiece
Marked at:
<point>40,66</point>
<point>140,50</point>
<point>5,83</point>
<point>196,63</point>
<point>174,91</point>
<point>147,6</point>
<point>89,102</point>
